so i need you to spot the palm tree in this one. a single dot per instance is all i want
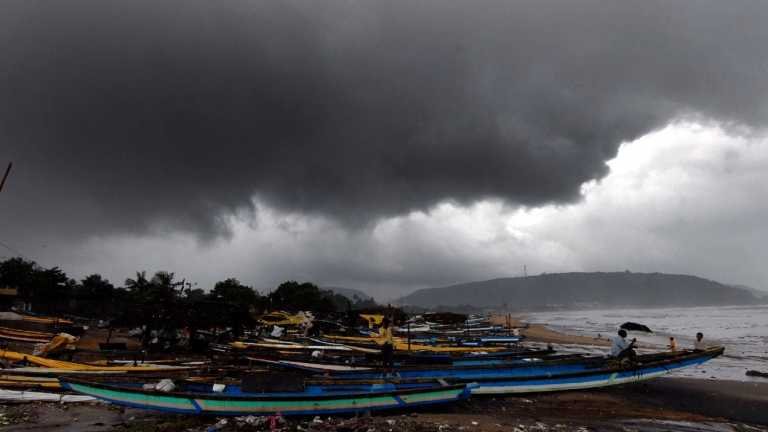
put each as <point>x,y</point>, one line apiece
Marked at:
<point>139,284</point>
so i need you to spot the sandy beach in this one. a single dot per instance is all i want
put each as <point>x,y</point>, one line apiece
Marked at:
<point>542,333</point>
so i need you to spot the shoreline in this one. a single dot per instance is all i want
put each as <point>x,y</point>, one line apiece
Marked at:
<point>541,333</point>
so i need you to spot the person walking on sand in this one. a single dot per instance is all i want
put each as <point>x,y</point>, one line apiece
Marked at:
<point>388,345</point>
<point>621,348</point>
<point>672,344</point>
<point>699,344</point>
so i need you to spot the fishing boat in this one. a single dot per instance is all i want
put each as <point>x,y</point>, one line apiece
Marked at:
<point>19,335</point>
<point>541,376</point>
<point>407,362</point>
<point>233,400</point>
<point>464,341</point>
<point>15,381</point>
<point>402,344</point>
<point>372,357</point>
<point>46,366</point>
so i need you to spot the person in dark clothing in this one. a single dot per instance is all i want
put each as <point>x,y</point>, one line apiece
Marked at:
<point>387,346</point>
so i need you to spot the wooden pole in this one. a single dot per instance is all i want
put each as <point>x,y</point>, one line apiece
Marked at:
<point>409,336</point>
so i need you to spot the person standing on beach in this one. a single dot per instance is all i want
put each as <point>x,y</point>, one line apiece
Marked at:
<point>388,345</point>
<point>699,344</point>
<point>620,348</point>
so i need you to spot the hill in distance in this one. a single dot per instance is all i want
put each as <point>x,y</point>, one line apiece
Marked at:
<point>584,290</point>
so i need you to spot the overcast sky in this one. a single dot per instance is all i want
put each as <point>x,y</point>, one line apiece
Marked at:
<point>385,145</point>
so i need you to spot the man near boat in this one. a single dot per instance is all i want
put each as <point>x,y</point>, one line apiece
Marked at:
<point>621,348</point>
<point>699,344</point>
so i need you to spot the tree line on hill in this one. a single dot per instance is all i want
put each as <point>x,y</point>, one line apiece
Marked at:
<point>161,301</point>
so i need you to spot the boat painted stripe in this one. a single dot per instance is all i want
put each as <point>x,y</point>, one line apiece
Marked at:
<point>141,399</point>
<point>546,387</point>
<point>197,406</point>
<point>331,404</point>
<point>432,396</point>
<point>324,411</point>
<point>211,405</point>
<point>576,383</point>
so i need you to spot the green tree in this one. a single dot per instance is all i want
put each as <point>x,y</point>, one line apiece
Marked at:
<point>293,296</point>
<point>17,273</point>
<point>138,285</point>
<point>94,296</point>
<point>232,291</point>
<point>49,290</point>
<point>237,301</point>
<point>154,303</point>
<point>95,287</point>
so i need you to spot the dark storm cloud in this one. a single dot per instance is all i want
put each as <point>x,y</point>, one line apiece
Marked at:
<point>120,115</point>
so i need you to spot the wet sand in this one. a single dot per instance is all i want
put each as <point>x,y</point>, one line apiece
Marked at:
<point>736,400</point>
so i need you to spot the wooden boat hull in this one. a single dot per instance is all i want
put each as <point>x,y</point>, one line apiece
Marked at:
<point>402,344</point>
<point>296,404</point>
<point>585,380</point>
<point>534,379</point>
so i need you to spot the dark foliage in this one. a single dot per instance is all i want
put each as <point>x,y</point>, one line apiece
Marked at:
<point>161,304</point>
<point>293,296</point>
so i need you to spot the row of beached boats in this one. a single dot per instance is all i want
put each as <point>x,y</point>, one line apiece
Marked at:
<point>435,364</point>
<point>291,384</point>
<point>313,389</point>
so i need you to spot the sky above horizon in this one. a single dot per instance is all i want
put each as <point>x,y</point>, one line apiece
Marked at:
<point>385,146</point>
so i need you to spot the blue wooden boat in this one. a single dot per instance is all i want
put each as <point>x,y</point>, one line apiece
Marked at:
<point>200,399</point>
<point>336,365</point>
<point>542,377</point>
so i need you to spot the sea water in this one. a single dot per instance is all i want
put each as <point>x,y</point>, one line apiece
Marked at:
<point>743,330</point>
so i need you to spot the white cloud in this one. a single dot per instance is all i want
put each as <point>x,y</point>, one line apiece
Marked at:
<point>685,199</point>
